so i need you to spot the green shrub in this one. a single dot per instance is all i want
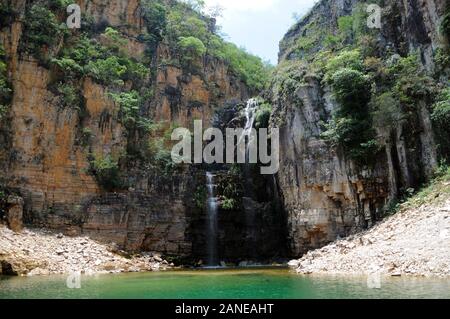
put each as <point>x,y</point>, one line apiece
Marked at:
<point>235,169</point>
<point>68,66</point>
<point>6,15</point>
<point>86,136</point>
<point>182,22</point>
<point>230,190</point>
<point>351,125</point>
<point>159,153</point>
<point>345,26</point>
<point>41,28</point>
<point>441,109</point>
<point>163,159</point>
<point>442,58</point>
<point>354,26</point>
<point>360,16</point>
<point>412,88</point>
<point>59,4</point>
<point>352,91</point>
<point>191,47</point>
<point>431,192</point>
<point>107,71</point>
<point>129,103</point>
<point>3,111</point>
<point>443,171</point>
<point>114,37</point>
<point>287,77</point>
<point>109,67</point>
<point>356,137</point>
<point>200,197</point>
<point>147,125</point>
<point>184,25</point>
<point>5,88</point>
<point>160,156</point>
<point>409,82</point>
<point>386,111</point>
<point>404,66</point>
<point>441,120</point>
<point>135,72</point>
<point>330,41</point>
<point>346,59</point>
<point>228,204</point>
<point>306,43</point>
<point>262,117</point>
<point>155,21</point>
<point>84,50</point>
<point>70,97</point>
<point>106,171</point>
<point>248,67</point>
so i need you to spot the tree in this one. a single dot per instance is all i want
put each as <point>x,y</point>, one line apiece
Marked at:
<point>352,91</point>
<point>155,21</point>
<point>191,47</point>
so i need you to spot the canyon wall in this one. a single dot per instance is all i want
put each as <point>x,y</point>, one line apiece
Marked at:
<point>50,150</point>
<point>326,194</point>
<point>44,161</point>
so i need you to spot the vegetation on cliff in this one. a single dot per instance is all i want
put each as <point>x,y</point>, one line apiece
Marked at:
<point>193,32</point>
<point>106,171</point>
<point>104,54</point>
<point>412,242</point>
<point>351,124</point>
<point>375,87</point>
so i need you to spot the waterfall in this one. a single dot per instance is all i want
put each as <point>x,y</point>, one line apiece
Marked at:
<point>250,117</point>
<point>212,209</point>
<point>213,202</point>
<point>250,217</point>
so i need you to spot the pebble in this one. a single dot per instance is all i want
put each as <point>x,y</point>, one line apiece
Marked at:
<point>40,252</point>
<point>405,244</point>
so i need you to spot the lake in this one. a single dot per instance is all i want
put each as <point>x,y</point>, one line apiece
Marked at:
<point>223,284</point>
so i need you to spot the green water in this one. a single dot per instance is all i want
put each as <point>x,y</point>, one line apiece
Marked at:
<point>234,284</point>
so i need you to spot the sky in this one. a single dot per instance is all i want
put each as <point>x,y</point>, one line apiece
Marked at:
<point>259,25</point>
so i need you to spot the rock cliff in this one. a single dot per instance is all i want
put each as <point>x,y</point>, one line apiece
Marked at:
<point>326,193</point>
<point>85,116</point>
<point>49,148</point>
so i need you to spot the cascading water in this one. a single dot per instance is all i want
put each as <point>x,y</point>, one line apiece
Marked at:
<point>250,115</point>
<point>212,209</point>
<point>213,202</point>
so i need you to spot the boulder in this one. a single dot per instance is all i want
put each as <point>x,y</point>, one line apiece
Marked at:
<point>14,213</point>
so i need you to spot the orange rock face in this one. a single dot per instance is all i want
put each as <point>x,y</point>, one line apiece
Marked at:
<point>50,169</point>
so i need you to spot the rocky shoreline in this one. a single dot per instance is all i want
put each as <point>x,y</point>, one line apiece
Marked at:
<point>414,242</point>
<point>41,252</point>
